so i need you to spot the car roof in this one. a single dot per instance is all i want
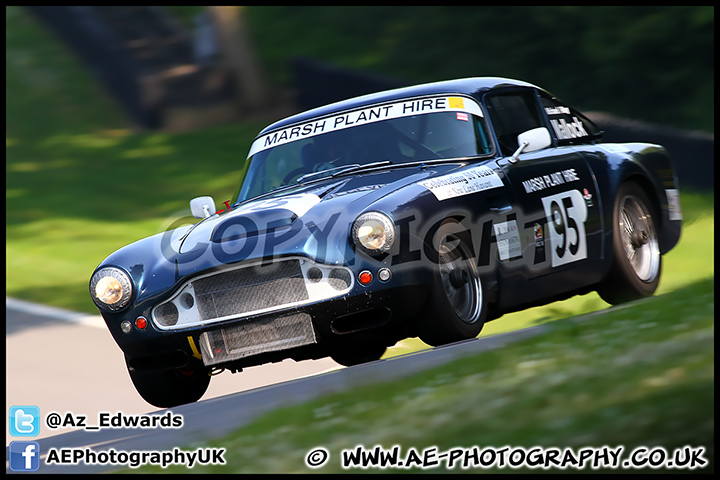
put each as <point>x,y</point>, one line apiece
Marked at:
<point>467,86</point>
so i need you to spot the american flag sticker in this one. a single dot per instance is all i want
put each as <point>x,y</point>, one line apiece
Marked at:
<point>462,116</point>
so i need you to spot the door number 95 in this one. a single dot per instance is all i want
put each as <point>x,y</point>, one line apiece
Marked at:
<point>566,214</point>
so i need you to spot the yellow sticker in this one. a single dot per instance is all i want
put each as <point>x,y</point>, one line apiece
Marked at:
<point>456,102</point>
<point>196,354</point>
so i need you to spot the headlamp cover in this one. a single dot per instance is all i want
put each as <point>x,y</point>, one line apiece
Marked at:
<point>373,232</point>
<point>111,289</point>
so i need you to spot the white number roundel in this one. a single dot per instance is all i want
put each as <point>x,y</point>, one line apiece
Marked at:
<point>566,214</point>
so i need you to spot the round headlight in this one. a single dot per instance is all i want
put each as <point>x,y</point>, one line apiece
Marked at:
<point>110,289</point>
<point>373,232</point>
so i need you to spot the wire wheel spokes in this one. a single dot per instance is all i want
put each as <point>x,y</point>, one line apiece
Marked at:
<point>639,239</point>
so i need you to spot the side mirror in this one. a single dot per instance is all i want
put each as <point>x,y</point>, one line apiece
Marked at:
<point>202,207</point>
<point>532,140</point>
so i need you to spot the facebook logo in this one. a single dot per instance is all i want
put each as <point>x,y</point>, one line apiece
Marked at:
<point>24,456</point>
<point>24,421</point>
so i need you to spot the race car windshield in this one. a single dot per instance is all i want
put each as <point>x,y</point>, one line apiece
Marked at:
<point>405,139</point>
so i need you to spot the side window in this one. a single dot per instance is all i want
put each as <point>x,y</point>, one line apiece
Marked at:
<point>568,126</point>
<point>512,114</point>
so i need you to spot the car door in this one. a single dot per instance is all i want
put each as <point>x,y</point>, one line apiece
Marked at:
<point>555,206</point>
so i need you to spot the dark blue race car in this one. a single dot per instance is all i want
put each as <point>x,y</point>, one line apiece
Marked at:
<point>424,211</point>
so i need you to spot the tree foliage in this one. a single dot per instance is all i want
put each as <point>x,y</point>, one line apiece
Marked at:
<point>648,63</point>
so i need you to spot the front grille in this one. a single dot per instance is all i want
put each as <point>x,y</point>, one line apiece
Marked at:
<point>256,336</point>
<point>249,289</point>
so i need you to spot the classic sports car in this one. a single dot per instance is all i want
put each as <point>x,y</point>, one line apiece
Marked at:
<point>423,211</point>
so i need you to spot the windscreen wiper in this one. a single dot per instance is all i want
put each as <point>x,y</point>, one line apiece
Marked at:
<point>343,169</point>
<point>312,174</point>
<point>354,167</point>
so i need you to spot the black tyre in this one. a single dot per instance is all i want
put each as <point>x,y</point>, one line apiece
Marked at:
<point>357,354</point>
<point>637,262</point>
<point>457,307</point>
<point>170,388</point>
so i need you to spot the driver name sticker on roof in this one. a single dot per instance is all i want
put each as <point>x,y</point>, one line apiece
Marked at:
<point>463,183</point>
<point>376,113</point>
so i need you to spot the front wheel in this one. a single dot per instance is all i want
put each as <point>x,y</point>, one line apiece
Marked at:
<point>351,355</point>
<point>457,306</point>
<point>170,388</point>
<point>637,263</point>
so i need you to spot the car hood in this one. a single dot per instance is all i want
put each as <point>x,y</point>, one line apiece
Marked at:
<point>309,204</point>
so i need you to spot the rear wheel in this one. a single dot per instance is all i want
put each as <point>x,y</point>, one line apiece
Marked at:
<point>637,263</point>
<point>457,306</point>
<point>170,388</point>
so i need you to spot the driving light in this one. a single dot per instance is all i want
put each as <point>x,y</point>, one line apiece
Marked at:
<point>384,274</point>
<point>373,232</point>
<point>110,289</point>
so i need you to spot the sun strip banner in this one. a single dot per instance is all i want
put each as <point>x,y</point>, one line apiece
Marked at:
<point>375,113</point>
